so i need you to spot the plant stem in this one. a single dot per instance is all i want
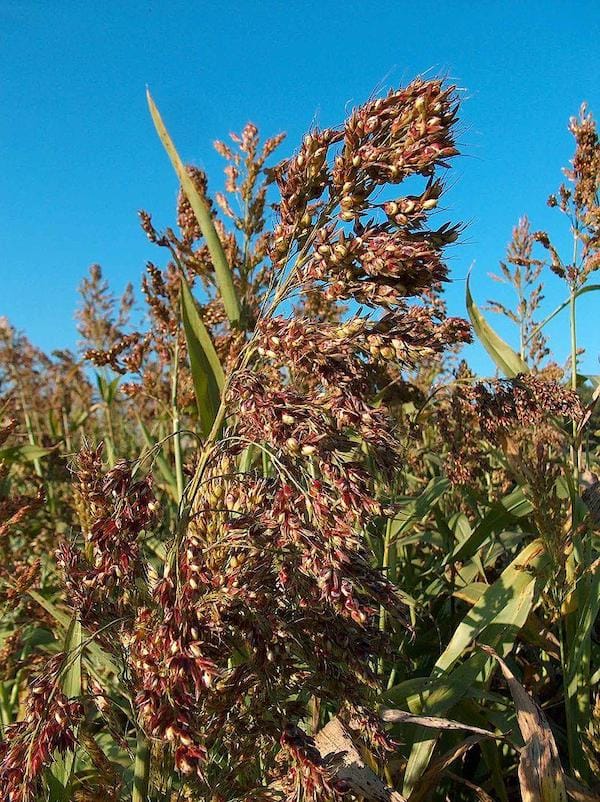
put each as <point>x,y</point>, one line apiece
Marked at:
<point>573,327</point>
<point>388,566</point>
<point>521,322</point>
<point>176,424</point>
<point>110,438</point>
<point>576,661</point>
<point>141,774</point>
<point>5,707</point>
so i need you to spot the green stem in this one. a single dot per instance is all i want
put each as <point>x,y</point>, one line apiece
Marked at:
<point>5,707</point>
<point>573,327</point>
<point>66,430</point>
<point>385,566</point>
<point>30,434</point>
<point>574,560</point>
<point>110,439</point>
<point>51,500</point>
<point>141,773</point>
<point>576,662</point>
<point>571,723</point>
<point>176,425</point>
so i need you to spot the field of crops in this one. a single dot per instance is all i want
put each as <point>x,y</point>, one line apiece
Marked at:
<point>281,542</point>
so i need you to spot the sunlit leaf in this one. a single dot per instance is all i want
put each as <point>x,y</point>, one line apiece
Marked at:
<point>207,373</point>
<point>507,360</point>
<point>503,513</point>
<point>201,211</point>
<point>559,308</point>
<point>495,619</point>
<point>95,652</point>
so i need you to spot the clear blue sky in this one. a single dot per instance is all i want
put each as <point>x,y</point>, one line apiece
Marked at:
<point>80,157</point>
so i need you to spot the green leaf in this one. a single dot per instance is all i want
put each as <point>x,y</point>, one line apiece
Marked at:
<point>495,620</point>
<point>534,630</point>
<point>578,668</point>
<point>416,509</point>
<point>62,766</point>
<point>26,452</point>
<point>594,380</point>
<point>95,652</point>
<point>107,389</point>
<point>101,383</point>
<point>197,202</point>
<point>492,606</point>
<point>160,458</point>
<point>502,514</point>
<point>71,678</point>
<point>207,373</point>
<point>414,693</point>
<point>507,360</point>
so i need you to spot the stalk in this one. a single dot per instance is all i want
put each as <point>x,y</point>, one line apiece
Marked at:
<point>521,321</point>
<point>385,565</point>
<point>5,707</point>
<point>141,774</point>
<point>573,329</point>
<point>570,621</point>
<point>577,675</point>
<point>110,439</point>
<point>176,424</point>
<point>66,432</point>
<point>37,465</point>
<point>30,434</point>
<point>571,722</point>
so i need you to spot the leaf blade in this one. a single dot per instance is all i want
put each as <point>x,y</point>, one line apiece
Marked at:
<point>207,372</point>
<point>540,771</point>
<point>507,360</point>
<point>497,616</point>
<point>62,766</point>
<point>201,211</point>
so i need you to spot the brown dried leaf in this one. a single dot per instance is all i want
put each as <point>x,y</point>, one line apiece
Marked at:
<point>591,495</point>
<point>431,777</point>
<point>433,722</point>
<point>580,793</point>
<point>541,774</point>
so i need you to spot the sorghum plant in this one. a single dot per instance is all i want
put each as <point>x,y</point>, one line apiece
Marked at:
<point>579,201</point>
<point>269,607</point>
<point>265,617</point>
<point>302,510</point>
<point>522,271</point>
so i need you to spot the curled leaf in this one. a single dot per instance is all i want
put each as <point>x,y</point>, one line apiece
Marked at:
<point>541,774</point>
<point>433,722</point>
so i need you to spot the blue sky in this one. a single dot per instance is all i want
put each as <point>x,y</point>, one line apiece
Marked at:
<point>80,156</point>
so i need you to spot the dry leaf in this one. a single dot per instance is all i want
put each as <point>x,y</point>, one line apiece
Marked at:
<point>403,717</point>
<point>431,777</point>
<point>591,495</point>
<point>541,774</point>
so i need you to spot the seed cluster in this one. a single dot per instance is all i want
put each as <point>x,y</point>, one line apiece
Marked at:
<point>48,727</point>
